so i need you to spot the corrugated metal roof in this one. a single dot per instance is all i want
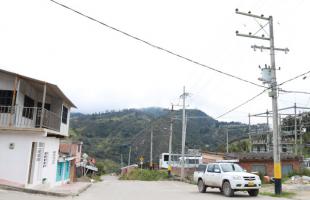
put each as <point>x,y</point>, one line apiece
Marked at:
<point>50,86</point>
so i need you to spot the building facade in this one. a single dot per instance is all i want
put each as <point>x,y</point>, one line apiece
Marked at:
<point>34,116</point>
<point>263,162</point>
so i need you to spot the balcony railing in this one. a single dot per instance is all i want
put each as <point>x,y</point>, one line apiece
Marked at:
<point>28,117</point>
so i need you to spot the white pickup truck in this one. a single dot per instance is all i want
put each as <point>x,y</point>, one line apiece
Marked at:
<point>228,177</point>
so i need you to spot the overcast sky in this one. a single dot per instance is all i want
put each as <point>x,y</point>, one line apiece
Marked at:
<point>100,69</point>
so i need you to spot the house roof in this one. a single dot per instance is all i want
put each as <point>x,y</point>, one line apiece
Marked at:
<point>54,88</point>
<point>260,156</point>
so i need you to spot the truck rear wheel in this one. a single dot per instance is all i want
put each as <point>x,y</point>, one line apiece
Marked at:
<point>201,186</point>
<point>227,189</point>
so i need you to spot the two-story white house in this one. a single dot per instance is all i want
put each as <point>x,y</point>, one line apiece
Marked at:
<point>34,116</point>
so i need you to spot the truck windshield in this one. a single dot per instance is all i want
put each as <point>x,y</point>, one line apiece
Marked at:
<point>231,167</point>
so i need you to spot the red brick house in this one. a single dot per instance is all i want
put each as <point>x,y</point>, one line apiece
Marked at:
<point>263,162</point>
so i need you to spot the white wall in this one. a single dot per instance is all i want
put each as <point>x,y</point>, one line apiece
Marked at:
<point>15,162</point>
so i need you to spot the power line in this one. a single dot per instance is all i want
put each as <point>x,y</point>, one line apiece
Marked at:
<point>294,92</point>
<point>156,46</point>
<point>291,79</point>
<point>249,100</point>
<point>240,105</point>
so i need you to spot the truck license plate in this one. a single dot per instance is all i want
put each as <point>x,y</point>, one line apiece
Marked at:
<point>250,183</point>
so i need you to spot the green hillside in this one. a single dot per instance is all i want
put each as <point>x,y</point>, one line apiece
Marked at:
<point>108,135</point>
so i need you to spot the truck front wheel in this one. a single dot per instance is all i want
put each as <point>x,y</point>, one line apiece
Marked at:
<point>227,189</point>
<point>253,193</point>
<point>201,186</point>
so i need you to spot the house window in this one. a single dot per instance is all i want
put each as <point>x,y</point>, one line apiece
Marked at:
<point>45,159</point>
<point>64,114</point>
<point>28,107</point>
<point>6,97</point>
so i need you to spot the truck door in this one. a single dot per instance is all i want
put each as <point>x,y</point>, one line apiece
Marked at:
<point>217,176</point>
<point>209,175</point>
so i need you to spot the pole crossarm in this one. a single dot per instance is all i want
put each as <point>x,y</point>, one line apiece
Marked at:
<point>251,36</point>
<point>252,15</point>
<point>268,48</point>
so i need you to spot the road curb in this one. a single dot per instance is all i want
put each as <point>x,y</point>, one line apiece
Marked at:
<point>48,193</point>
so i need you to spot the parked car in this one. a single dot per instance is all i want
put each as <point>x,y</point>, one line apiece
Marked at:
<point>228,177</point>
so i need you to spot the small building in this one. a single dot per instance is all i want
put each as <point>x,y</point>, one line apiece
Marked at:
<point>263,162</point>
<point>70,155</point>
<point>34,116</point>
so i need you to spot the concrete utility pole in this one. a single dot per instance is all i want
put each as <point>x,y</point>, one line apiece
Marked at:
<point>268,135</point>
<point>295,128</point>
<point>151,149</point>
<point>129,155</point>
<point>170,136</point>
<point>227,146</point>
<point>250,138</point>
<point>269,77</point>
<point>183,96</point>
<point>121,160</point>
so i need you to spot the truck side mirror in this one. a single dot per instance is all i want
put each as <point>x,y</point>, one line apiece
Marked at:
<point>217,171</point>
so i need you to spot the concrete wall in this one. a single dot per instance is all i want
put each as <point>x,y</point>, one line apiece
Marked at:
<point>15,162</point>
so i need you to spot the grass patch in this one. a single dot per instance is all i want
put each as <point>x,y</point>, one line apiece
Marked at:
<point>283,194</point>
<point>145,175</point>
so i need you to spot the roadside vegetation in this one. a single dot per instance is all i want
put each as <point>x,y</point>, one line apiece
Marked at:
<point>145,175</point>
<point>107,167</point>
<point>301,172</point>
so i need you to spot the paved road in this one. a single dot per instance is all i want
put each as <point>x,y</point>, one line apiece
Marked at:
<point>112,189</point>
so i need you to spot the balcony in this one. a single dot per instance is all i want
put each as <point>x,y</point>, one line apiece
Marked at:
<point>28,117</point>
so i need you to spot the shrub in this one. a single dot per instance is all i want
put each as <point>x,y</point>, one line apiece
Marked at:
<point>145,175</point>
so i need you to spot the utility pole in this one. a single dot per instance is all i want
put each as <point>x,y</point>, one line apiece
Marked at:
<point>170,136</point>
<point>269,77</point>
<point>250,138</point>
<point>295,128</point>
<point>227,150</point>
<point>121,160</point>
<point>183,96</point>
<point>129,155</point>
<point>300,133</point>
<point>151,149</point>
<point>268,130</point>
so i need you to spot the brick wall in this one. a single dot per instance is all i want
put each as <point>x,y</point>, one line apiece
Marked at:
<point>269,165</point>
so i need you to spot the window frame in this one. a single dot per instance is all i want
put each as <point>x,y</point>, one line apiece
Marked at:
<point>211,170</point>
<point>64,114</point>
<point>28,104</point>
<point>6,100</point>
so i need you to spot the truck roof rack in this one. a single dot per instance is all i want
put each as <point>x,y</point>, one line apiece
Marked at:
<point>227,161</point>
